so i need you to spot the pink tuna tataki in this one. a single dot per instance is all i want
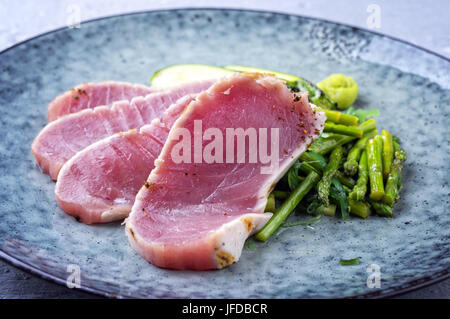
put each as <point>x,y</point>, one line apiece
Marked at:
<point>63,138</point>
<point>198,215</point>
<point>99,184</point>
<point>92,94</point>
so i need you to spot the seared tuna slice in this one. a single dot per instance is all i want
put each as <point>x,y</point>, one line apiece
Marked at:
<point>99,184</point>
<point>63,138</point>
<point>196,213</point>
<point>90,95</point>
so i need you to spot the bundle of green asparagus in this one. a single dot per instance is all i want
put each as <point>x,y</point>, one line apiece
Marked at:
<point>350,167</point>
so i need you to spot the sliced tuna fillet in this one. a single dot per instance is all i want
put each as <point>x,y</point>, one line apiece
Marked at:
<point>63,138</point>
<point>99,184</point>
<point>90,95</point>
<point>198,215</point>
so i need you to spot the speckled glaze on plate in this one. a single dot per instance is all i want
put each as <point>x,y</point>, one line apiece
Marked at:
<point>409,85</point>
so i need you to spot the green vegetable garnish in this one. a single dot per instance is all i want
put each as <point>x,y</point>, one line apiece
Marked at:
<point>287,207</point>
<point>343,129</point>
<point>358,208</point>
<point>374,150</point>
<point>340,118</point>
<point>338,193</point>
<point>362,115</point>
<point>316,95</point>
<point>388,152</point>
<point>290,79</point>
<point>351,165</point>
<point>292,176</point>
<point>393,183</point>
<point>324,145</point>
<point>359,191</point>
<point>349,262</point>
<point>317,208</point>
<point>270,206</point>
<point>250,244</point>
<point>315,160</point>
<point>323,188</point>
<point>340,88</point>
<point>280,194</point>
<point>381,209</point>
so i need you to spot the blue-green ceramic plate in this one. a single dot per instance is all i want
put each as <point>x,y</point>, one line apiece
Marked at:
<point>409,85</point>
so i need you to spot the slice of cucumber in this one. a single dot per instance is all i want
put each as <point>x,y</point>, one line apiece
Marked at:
<point>290,79</point>
<point>316,96</point>
<point>184,73</point>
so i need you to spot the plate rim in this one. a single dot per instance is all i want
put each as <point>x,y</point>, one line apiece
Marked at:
<point>406,287</point>
<point>429,51</point>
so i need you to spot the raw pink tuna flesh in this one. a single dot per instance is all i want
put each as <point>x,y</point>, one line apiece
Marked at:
<point>198,216</point>
<point>90,95</point>
<point>99,184</point>
<point>63,138</point>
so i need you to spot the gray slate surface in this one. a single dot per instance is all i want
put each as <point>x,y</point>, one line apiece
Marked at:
<point>19,284</point>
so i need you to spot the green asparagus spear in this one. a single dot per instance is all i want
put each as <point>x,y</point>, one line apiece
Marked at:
<point>340,118</point>
<point>347,189</point>
<point>323,146</point>
<point>316,95</point>
<point>393,183</point>
<point>380,144</point>
<point>293,178</point>
<point>280,194</point>
<point>343,129</point>
<point>358,208</point>
<point>399,152</point>
<point>287,207</point>
<point>270,206</point>
<point>381,209</point>
<point>388,152</point>
<point>360,189</point>
<point>351,165</point>
<point>308,168</point>
<point>361,114</point>
<point>349,262</point>
<point>323,188</point>
<point>315,160</point>
<point>338,193</point>
<point>317,208</point>
<point>375,167</point>
<point>345,180</point>
<point>368,126</point>
<point>329,210</point>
